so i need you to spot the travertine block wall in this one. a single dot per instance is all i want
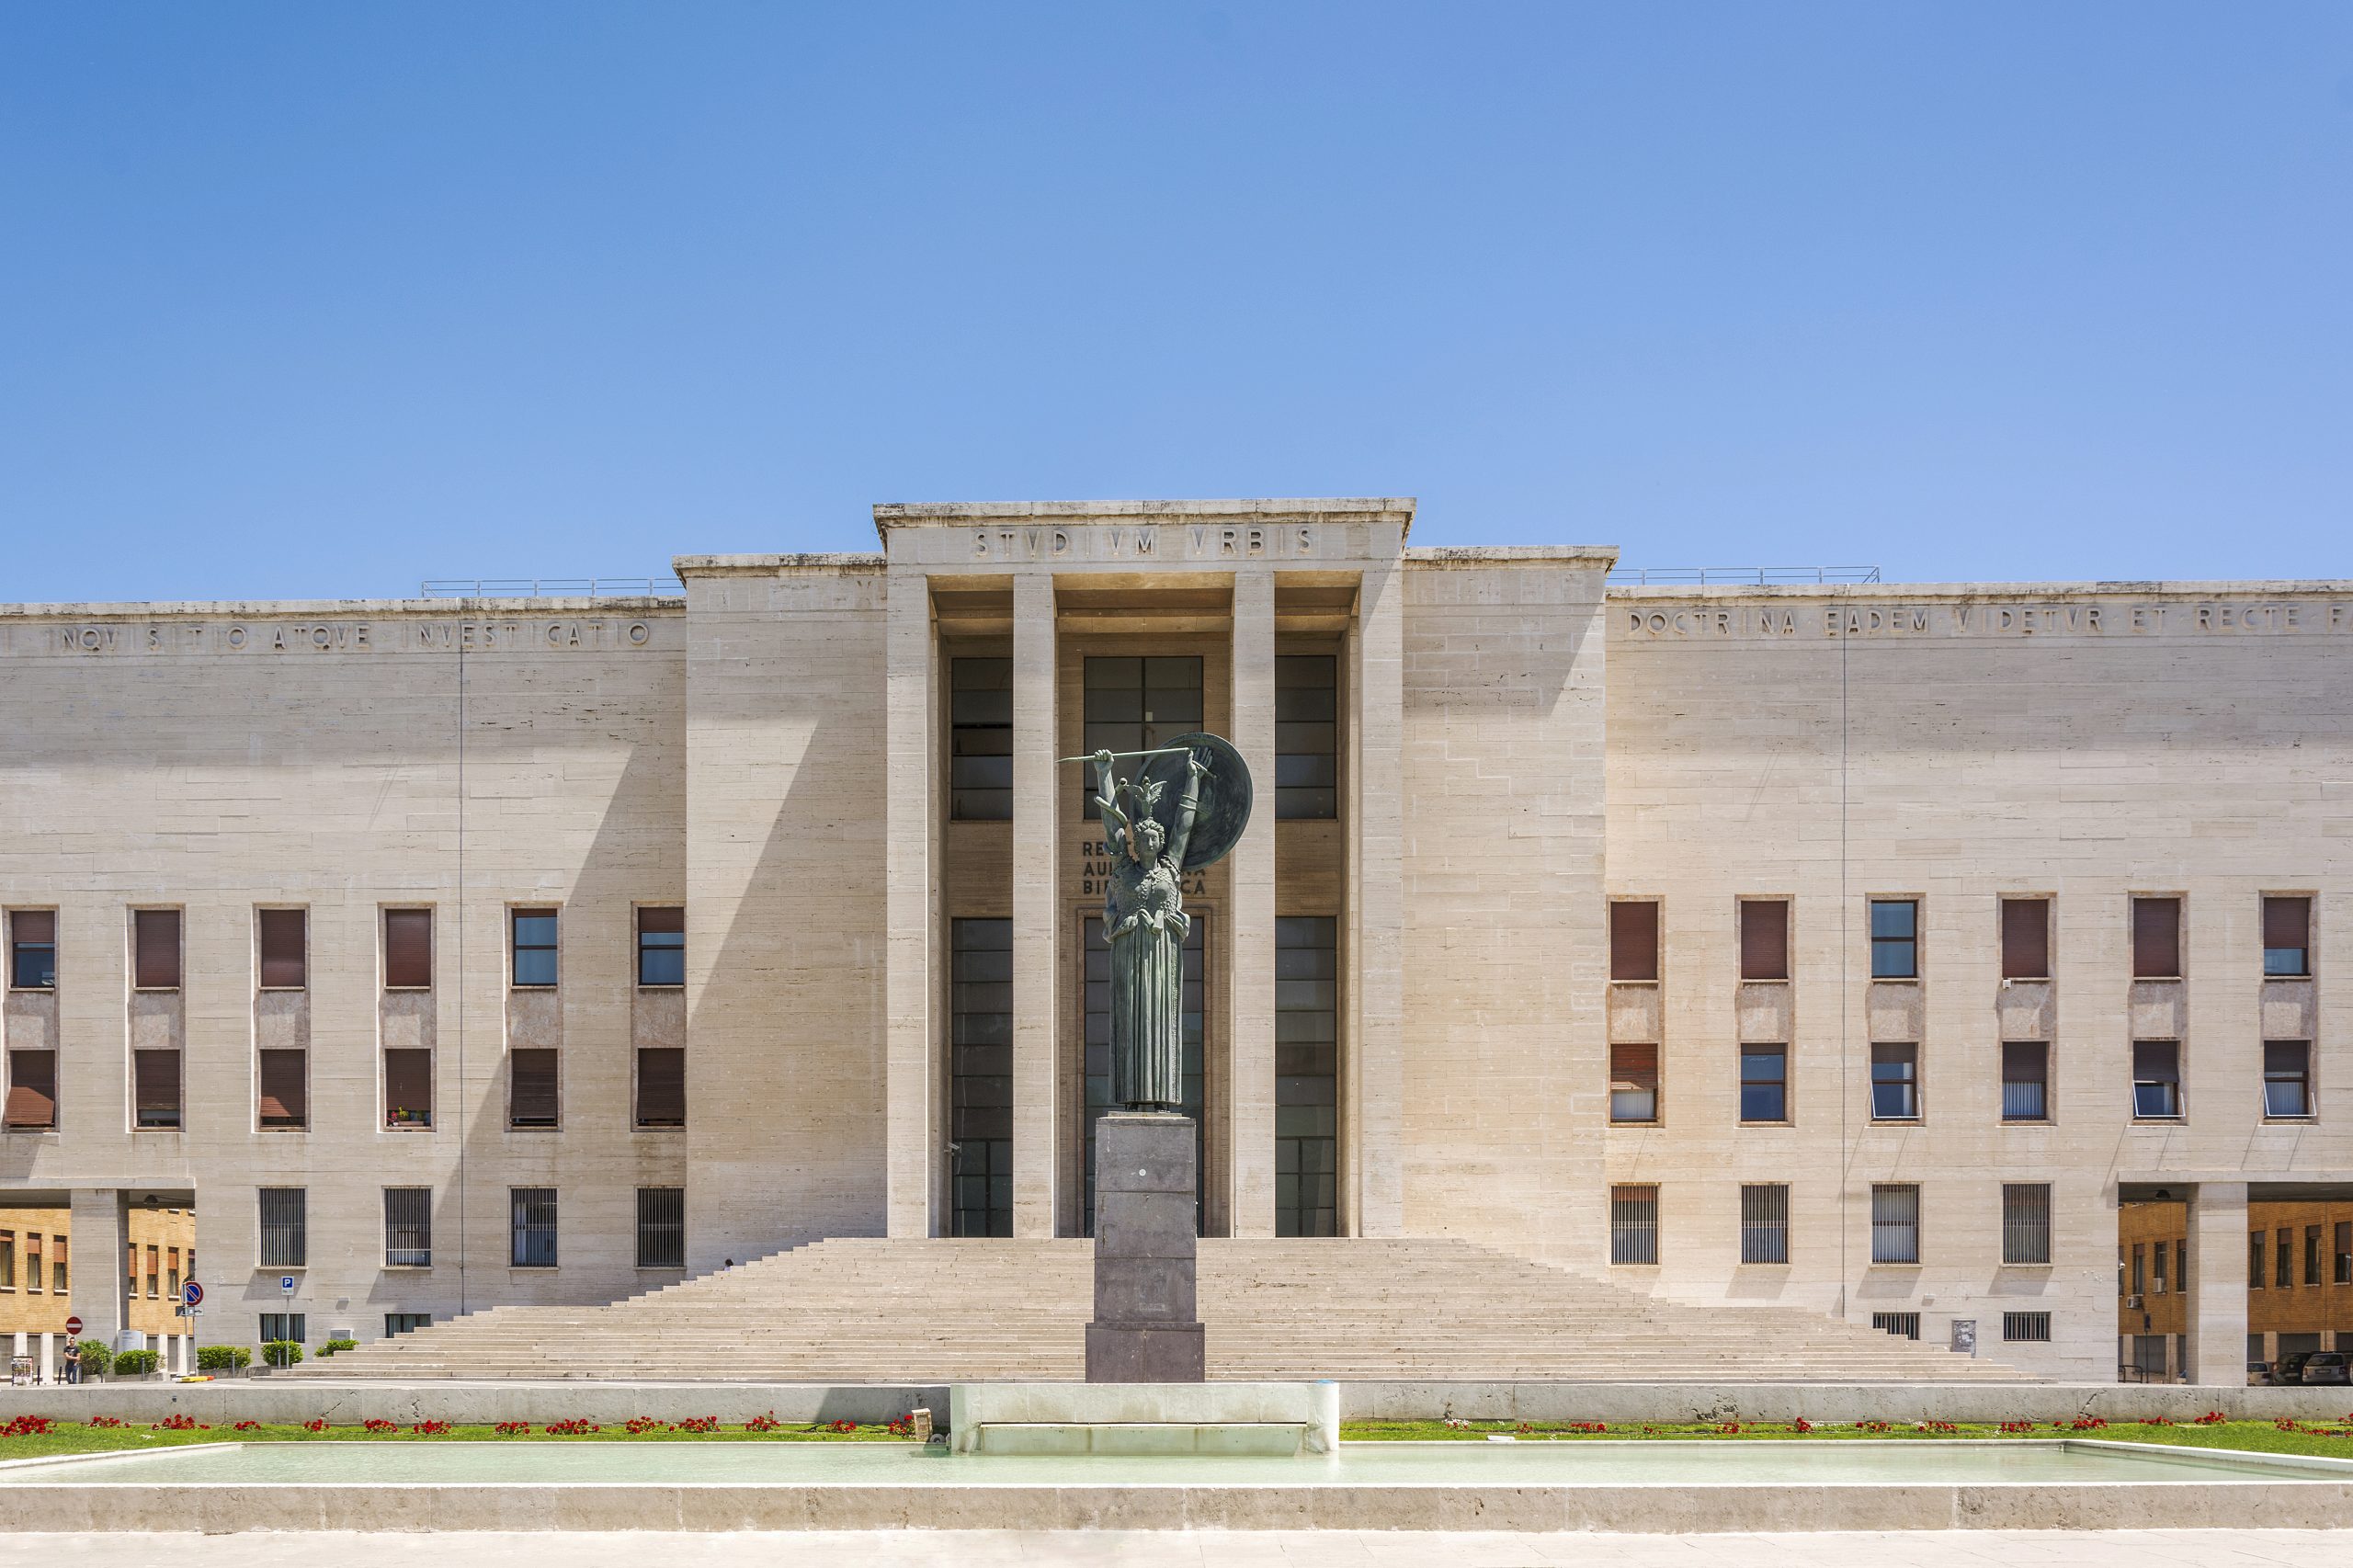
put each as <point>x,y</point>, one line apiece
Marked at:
<point>1957,746</point>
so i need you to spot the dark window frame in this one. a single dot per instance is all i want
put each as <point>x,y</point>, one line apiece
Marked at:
<point>408,1227</point>
<point>2287,915</point>
<point>1902,1090</point>
<point>282,1240</point>
<point>2156,933</point>
<point>165,954</point>
<point>270,1062</point>
<point>980,738</point>
<point>1307,737</point>
<point>27,945</point>
<point>2026,937</point>
<point>657,1114</point>
<point>1634,1071</point>
<point>533,1226</point>
<point>2026,1328</point>
<point>525,959</point>
<point>2158,1081</point>
<point>271,960</point>
<point>1636,932</point>
<point>400,1115</point>
<point>399,927</point>
<point>661,940</point>
<point>2296,1101</point>
<point>1159,704</point>
<point>1763,939</point>
<point>518,1103</point>
<point>1764,1223</point>
<point>661,1228</point>
<point>2026,1221</point>
<point>32,1086</point>
<point>2015,1083</point>
<point>1778,1083</point>
<point>1894,937</point>
<point>1895,1240</point>
<point>1633,1225</point>
<point>152,1110</point>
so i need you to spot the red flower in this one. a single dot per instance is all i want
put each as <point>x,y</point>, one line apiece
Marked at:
<point>768,1422</point>
<point>177,1423</point>
<point>317,1424</point>
<point>32,1426</point>
<point>513,1428</point>
<point>699,1424</point>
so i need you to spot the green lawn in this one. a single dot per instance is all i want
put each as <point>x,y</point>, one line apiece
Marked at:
<point>2333,1440</point>
<point>74,1437</point>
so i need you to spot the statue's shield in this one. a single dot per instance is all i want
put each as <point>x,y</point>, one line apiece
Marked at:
<point>1223,810</point>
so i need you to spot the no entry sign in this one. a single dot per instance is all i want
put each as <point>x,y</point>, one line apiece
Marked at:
<point>73,1325</point>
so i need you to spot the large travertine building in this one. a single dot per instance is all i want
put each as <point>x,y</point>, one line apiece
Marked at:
<point>1859,949</point>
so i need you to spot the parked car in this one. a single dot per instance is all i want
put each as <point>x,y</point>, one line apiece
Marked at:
<point>2327,1367</point>
<point>2259,1374</point>
<point>2291,1370</point>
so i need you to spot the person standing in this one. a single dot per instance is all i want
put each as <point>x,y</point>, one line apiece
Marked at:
<point>72,1361</point>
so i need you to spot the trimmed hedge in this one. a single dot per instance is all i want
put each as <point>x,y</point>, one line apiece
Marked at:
<point>222,1357</point>
<point>332,1346</point>
<point>135,1363</point>
<point>95,1358</point>
<point>282,1352</point>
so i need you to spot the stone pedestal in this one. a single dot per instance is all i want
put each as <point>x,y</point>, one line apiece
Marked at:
<point>1146,1329</point>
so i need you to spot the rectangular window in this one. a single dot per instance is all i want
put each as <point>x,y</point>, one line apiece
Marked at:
<point>1633,1225</point>
<point>1765,938</point>
<point>2156,1079</point>
<point>531,1088</point>
<point>408,1227</point>
<point>661,1227</point>
<point>154,1273</point>
<point>1634,1083</point>
<point>662,945</point>
<point>980,763</point>
<point>1765,1223</point>
<point>1895,1082</point>
<point>1134,704</point>
<point>980,1078</point>
<point>2026,1224</point>
<point>2028,1328</point>
<point>1895,938</point>
<point>2312,1255</point>
<point>2181,1265</point>
<point>284,939</point>
<point>172,1274</point>
<point>276,1327</point>
<point>285,1231</point>
<point>32,950</point>
<point>2287,1078</point>
<point>397,1323</point>
<point>532,944</point>
<point>155,948</point>
<point>534,1227</point>
<point>2026,1080</point>
<point>7,1260</point>
<point>1764,1082</point>
<point>32,1263</point>
<point>2345,1252</point>
<point>1895,1223</point>
<point>284,1078</point>
<point>1903,1325</point>
<point>2140,1268</point>
<point>58,1282</point>
<point>2287,937</point>
<point>2157,1270</point>
<point>2283,1259</point>
<point>156,1077</point>
<point>408,949</point>
<point>33,1092</point>
<point>1307,729</point>
<point>2255,1260</point>
<point>2025,938</point>
<point>2156,939</point>
<point>1307,1075</point>
<point>408,1087</point>
<point>1633,939</point>
<point>661,1087</point>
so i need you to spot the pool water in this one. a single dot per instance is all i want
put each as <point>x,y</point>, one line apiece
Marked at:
<point>1583,1463</point>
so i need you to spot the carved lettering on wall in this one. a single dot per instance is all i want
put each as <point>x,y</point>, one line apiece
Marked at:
<point>1148,542</point>
<point>2082,619</point>
<point>292,638</point>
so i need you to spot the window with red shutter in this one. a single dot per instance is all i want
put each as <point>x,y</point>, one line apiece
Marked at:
<point>661,1087</point>
<point>156,949</point>
<point>1765,938</point>
<point>285,1089</point>
<point>408,949</point>
<point>285,958</point>
<point>32,1090</point>
<point>1633,939</point>
<point>2025,938</point>
<point>531,1088</point>
<point>2156,939</point>
<point>156,1087</point>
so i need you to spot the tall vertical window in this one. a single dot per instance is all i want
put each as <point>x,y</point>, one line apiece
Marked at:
<point>2026,1223</point>
<point>283,937</point>
<point>1896,1222</point>
<point>408,1087</point>
<point>2255,1260</point>
<point>2156,939</point>
<point>7,1260</point>
<point>533,1227</point>
<point>2344,1249</point>
<point>58,1282</point>
<point>32,948</point>
<point>2025,938</point>
<point>661,944</point>
<point>283,1085</point>
<point>156,1088</point>
<point>408,949</point>
<point>1307,1075</point>
<point>1134,704</point>
<point>33,1092</point>
<point>661,1227</point>
<point>980,1075</point>
<point>2026,1080</point>
<point>1765,1223</point>
<point>2312,1255</point>
<point>2287,1077</point>
<point>2287,937</point>
<point>1764,1082</point>
<point>1765,938</point>
<point>661,1087</point>
<point>408,1227</point>
<point>1895,938</point>
<point>980,760</point>
<point>1634,1083</point>
<point>154,1272</point>
<point>1097,1028</point>
<point>1895,1082</point>
<point>155,948</point>
<point>2157,1258</point>
<point>1307,745</point>
<point>2283,1259</point>
<point>531,1094</point>
<point>2156,1079</point>
<point>285,1229</point>
<point>1633,939</point>
<point>531,934</point>
<point>1633,1225</point>
<point>32,1263</point>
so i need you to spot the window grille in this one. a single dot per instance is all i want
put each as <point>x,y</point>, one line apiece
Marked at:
<point>2026,1081</point>
<point>980,1072</point>
<point>534,1227</point>
<point>1307,1075</point>
<point>2031,1328</point>
<point>1903,1325</point>
<point>1895,1224</point>
<point>661,1227</point>
<point>276,1327</point>
<point>1633,1225</point>
<point>2026,1224</point>
<point>285,1233</point>
<point>1765,1223</point>
<point>408,1227</point>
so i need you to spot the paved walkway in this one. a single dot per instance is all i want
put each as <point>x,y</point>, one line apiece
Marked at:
<point>1203,1549</point>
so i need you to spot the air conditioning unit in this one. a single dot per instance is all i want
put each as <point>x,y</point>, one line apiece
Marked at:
<point>2132,1303</point>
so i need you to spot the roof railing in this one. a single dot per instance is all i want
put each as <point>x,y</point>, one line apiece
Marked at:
<point>1753,576</point>
<point>667,587</point>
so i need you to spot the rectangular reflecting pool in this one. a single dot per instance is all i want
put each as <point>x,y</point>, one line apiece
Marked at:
<point>1581,1463</point>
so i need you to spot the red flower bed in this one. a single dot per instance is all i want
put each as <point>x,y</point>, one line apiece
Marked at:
<point>177,1423</point>
<point>842,1426</point>
<point>317,1424</point>
<point>378,1424</point>
<point>2018,1426</point>
<point>513,1428</point>
<point>1801,1426</point>
<point>29,1426</point>
<point>1936,1426</point>
<point>699,1424</point>
<point>1588,1425</point>
<point>638,1425</point>
<point>246,1426</point>
<point>105,1421</point>
<point>2212,1418</point>
<point>768,1422</point>
<point>575,1428</point>
<point>431,1428</point>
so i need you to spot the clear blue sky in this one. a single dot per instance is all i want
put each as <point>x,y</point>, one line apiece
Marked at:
<point>324,299</point>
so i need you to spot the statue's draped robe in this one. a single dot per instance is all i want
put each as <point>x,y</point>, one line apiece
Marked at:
<point>1146,924</point>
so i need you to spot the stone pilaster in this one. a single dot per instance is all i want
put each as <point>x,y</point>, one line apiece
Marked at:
<point>911,873</point>
<point>99,1218</point>
<point>1250,922</point>
<point>1375,975</point>
<point>1037,977</point>
<point>2218,1284</point>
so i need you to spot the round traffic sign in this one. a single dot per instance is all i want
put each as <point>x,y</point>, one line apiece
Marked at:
<point>191,1293</point>
<point>73,1325</point>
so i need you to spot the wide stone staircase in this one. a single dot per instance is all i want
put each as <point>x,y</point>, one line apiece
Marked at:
<point>872,1310</point>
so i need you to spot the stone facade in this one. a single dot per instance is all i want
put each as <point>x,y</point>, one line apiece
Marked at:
<point>1407,1016</point>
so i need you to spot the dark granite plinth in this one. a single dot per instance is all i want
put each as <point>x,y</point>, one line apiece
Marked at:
<point>1146,1329</point>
